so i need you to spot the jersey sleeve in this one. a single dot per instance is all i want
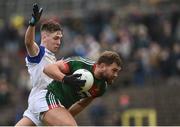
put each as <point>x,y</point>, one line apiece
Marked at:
<point>37,59</point>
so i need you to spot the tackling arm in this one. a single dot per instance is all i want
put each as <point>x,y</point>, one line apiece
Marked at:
<point>56,71</point>
<point>80,105</point>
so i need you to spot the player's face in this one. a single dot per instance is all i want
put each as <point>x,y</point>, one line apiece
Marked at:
<point>110,72</point>
<point>54,40</point>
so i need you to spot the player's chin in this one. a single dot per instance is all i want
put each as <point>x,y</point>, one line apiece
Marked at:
<point>110,81</point>
<point>55,49</point>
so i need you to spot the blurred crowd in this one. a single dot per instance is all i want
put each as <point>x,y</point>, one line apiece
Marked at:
<point>149,44</point>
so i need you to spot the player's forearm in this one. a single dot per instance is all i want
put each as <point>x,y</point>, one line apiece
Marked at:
<point>29,36</point>
<point>79,106</point>
<point>75,109</point>
<point>53,72</point>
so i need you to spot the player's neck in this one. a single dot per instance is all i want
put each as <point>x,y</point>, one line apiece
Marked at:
<point>97,73</point>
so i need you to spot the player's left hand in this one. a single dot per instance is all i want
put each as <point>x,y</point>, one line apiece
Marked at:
<point>35,15</point>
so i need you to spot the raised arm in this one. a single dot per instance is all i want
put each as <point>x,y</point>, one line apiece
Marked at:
<point>31,46</point>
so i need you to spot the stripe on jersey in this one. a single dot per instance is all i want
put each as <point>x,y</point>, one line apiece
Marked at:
<point>37,59</point>
<point>87,61</point>
<point>52,101</point>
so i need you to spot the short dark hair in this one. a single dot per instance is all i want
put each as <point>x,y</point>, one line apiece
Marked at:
<point>109,57</point>
<point>51,26</point>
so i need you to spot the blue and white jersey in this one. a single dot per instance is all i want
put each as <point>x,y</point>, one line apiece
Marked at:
<point>35,66</point>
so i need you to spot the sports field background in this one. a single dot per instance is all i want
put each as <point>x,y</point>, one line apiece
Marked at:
<point>146,33</point>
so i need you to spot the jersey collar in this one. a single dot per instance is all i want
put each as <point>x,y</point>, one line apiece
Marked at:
<point>49,52</point>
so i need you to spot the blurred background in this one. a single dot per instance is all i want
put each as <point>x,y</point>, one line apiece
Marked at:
<point>146,33</point>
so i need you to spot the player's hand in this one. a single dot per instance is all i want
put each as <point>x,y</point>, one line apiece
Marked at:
<point>35,15</point>
<point>75,81</point>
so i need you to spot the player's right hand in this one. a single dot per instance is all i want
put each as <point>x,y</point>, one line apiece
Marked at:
<point>35,15</point>
<point>74,81</point>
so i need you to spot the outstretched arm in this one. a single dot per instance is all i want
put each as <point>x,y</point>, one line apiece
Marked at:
<point>80,105</point>
<point>31,46</point>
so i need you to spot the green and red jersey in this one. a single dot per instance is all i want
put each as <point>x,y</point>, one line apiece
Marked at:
<point>66,94</point>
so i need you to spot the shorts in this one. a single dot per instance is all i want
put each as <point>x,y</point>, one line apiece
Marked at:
<point>41,102</point>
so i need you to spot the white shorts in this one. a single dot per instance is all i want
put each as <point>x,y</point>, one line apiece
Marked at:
<point>41,102</point>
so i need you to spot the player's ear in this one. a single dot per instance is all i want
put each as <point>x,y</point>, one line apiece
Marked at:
<point>43,35</point>
<point>102,66</point>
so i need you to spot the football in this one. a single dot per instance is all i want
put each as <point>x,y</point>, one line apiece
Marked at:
<point>86,75</point>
